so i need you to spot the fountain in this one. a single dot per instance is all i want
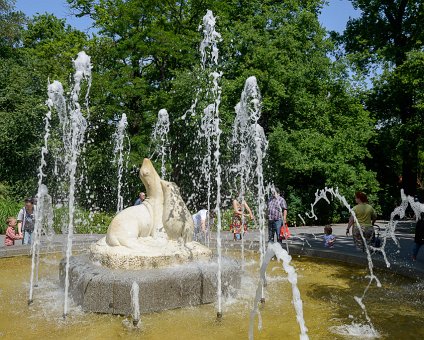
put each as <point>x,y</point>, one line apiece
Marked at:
<point>42,198</point>
<point>150,244</point>
<point>206,143</point>
<point>160,138</point>
<point>135,290</point>
<point>148,261</point>
<point>326,287</point>
<point>118,151</point>
<point>282,255</point>
<point>249,144</point>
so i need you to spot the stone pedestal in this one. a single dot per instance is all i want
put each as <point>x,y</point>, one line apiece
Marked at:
<point>148,253</point>
<point>104,290</point>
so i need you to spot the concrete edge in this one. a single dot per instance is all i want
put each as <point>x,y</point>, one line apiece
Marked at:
<point>401,268</point>
<point>22,250</point>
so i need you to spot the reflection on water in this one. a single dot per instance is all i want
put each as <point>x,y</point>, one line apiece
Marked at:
<point>327,290</point>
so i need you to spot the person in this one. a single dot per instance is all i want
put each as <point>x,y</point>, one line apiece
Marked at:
<point>200,220</point>
<point>238,223</point>
<point>11,235</point>
<point>329,238</point>
<point>366,217</point>
<point>140,199</point>
<point>277,215</point>
<point>419,236</point>
<point>26,221</point>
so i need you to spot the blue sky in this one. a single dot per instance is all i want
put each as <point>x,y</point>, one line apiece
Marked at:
<point>59,8</point>
<point>333,17</point>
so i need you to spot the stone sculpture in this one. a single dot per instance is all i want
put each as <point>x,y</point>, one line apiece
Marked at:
<point>156,233</point>
<point>177,219</point>
<point>151,245</point>
<point>140,220</point>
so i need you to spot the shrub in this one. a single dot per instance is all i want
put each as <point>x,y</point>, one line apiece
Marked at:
<point>96,223</point>
<point>84,221</point>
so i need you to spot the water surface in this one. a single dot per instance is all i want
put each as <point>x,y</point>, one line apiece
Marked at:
<point>327,289</point>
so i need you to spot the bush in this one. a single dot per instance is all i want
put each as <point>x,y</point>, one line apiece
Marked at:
<point>4,191</point>
<point>84,222</point>
<point>97,223</point>
<point>226,217</point>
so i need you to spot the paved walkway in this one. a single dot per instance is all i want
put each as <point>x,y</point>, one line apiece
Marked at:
<point>309,241</point>
<point>306,241</point>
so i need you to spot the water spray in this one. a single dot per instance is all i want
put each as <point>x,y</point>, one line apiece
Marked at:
<point>78,125</point>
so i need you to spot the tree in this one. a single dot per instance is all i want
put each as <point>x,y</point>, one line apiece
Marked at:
<point>317,128</point>
<point>386,34</point>
<point>147,60</point>
<point>45,48</point>
<point>11,24</point>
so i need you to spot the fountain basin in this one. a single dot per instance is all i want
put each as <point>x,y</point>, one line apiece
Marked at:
<point>327,288</point>
<point>104,290</point>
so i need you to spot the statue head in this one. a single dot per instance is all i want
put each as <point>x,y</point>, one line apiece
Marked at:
<point>148,174</point>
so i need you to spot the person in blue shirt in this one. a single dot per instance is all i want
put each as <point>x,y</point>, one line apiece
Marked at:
<point>329,238</point>
<point>140,199</point>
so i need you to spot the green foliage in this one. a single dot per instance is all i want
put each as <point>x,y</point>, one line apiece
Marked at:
<point>11,23</point>
<point>226,219</point>
<point>46,52</point>
<point>385,30</point>
<point>390,35</point>
<point>20,125</point>
<point>145,58</point>
<point>97,223</point>
<point>84,221</point>
<point>4,191</point>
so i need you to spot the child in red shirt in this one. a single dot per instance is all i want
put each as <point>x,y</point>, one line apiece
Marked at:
<point>11,235</point>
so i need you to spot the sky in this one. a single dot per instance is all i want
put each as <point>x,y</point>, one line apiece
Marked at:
<point>334,16</point>
<point>60,8</point>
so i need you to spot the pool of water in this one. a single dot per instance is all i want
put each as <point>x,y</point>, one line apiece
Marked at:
<point>327,289</point>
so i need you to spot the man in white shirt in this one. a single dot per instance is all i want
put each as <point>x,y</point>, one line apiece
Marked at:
<point>201,227</point>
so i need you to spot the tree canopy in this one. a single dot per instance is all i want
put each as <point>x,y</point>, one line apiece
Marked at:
<point>389,34</point>
<point>322,130</point>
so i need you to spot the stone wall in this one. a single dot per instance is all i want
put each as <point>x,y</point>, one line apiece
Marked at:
<point>102,290</point>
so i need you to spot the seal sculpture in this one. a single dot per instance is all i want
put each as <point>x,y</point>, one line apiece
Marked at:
<point>151,245</point>
<point>141,220</point>
<point>156,233</point>
<point>177,220</point>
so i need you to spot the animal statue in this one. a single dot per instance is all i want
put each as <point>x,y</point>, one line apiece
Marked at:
<point>177,219</point>
<point>163,209</point>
